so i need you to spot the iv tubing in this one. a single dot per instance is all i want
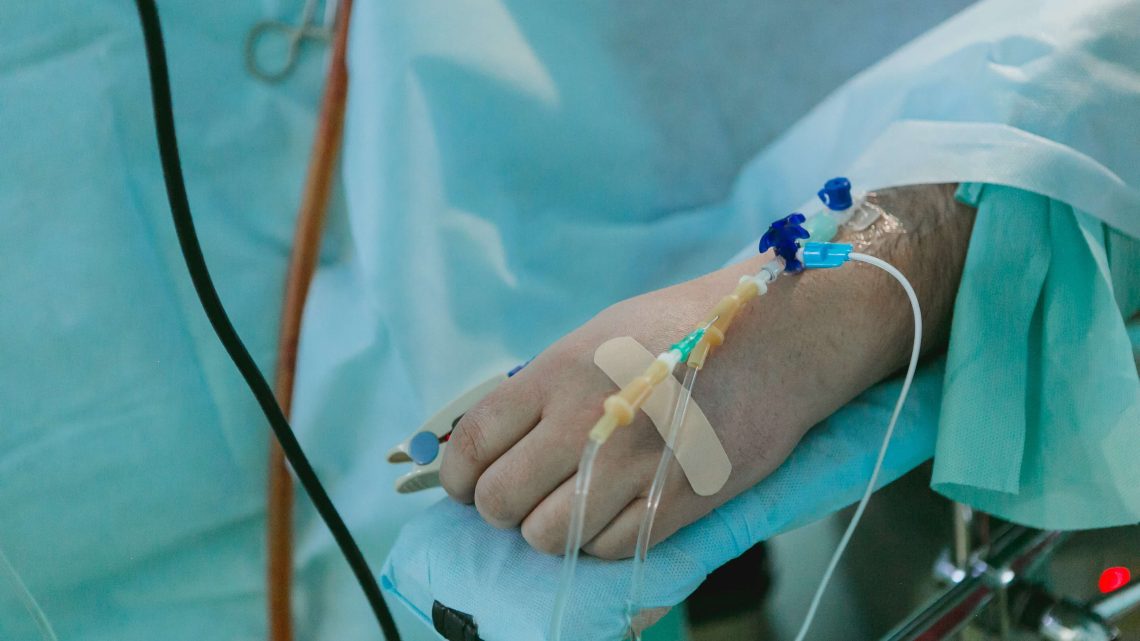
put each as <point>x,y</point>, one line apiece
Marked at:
<point>574,540</point>
<point>215,312</point>
<point>654,499</point>
<point>718,322</point>
<point>618,411</point>
<point>26,598</point>
<point>620,408</point>
<point>915,350</point>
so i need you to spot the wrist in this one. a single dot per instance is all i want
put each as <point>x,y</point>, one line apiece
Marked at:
<point>925,234</point>
<point>823,337</point>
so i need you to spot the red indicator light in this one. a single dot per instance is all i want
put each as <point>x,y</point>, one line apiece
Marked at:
<point>1113,579</point>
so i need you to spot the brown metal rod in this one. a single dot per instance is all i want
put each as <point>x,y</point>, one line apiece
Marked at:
<point>302,264</point>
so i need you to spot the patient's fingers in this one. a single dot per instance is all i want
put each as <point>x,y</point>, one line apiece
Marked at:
<point>617,479</point>
<point>545,457</point>
<point>679,506</point>
<point>514,484</point>
<point>619,539</point>
<point>488,430</point>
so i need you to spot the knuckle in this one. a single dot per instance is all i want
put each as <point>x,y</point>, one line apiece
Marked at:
<point>612,546</point>
<point>454,482</point>
<point>459,467</point>
<point>469,438</point>
<point>455,486</point>
<point>541,535</point>
<point>522,390</point>
<point>491,500</point>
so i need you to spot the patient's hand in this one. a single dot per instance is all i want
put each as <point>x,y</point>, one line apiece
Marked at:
<point>791,358</point>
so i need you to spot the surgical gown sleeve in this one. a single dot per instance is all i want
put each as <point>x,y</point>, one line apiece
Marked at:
<point>1043,96</point>
<point>1040,419</point>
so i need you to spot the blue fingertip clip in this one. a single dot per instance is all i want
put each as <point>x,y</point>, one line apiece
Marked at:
<point>825,255</point>
<point>423,448</point>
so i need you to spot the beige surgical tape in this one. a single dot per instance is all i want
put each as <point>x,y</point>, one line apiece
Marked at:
<point>698,449</point>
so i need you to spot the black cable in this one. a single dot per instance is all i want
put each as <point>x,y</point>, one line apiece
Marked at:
<point>212,305</point>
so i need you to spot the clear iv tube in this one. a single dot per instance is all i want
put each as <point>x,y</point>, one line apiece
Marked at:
<point>654,500</point>
<point>26,598</point>
<point>915,350</point>
<point>574,537</point>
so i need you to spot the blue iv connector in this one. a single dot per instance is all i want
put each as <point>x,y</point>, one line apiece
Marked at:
<point>825,255</point>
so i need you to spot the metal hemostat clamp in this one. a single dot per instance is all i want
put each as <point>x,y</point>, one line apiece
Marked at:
<point>424,448</point>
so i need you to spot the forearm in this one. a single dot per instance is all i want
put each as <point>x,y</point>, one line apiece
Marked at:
<point>791,358</point>
<point>821,338</point>
<point>926,235</point>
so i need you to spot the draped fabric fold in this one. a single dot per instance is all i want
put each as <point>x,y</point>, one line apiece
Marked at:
<point>1040,418</point>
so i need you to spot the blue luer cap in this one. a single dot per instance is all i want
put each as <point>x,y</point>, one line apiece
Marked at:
<point>836,194</point>
<point>423,448</point>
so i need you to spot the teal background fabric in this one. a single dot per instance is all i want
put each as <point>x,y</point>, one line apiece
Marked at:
<point>1036,94</point>
<point>1040,420</point>
<point>509,167</point>
<point>132,458</point>
<point>131,455</point>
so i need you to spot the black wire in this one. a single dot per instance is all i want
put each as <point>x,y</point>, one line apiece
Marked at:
<point>204,285</point>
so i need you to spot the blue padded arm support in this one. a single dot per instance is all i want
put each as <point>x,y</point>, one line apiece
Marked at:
<point>447,553</point>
